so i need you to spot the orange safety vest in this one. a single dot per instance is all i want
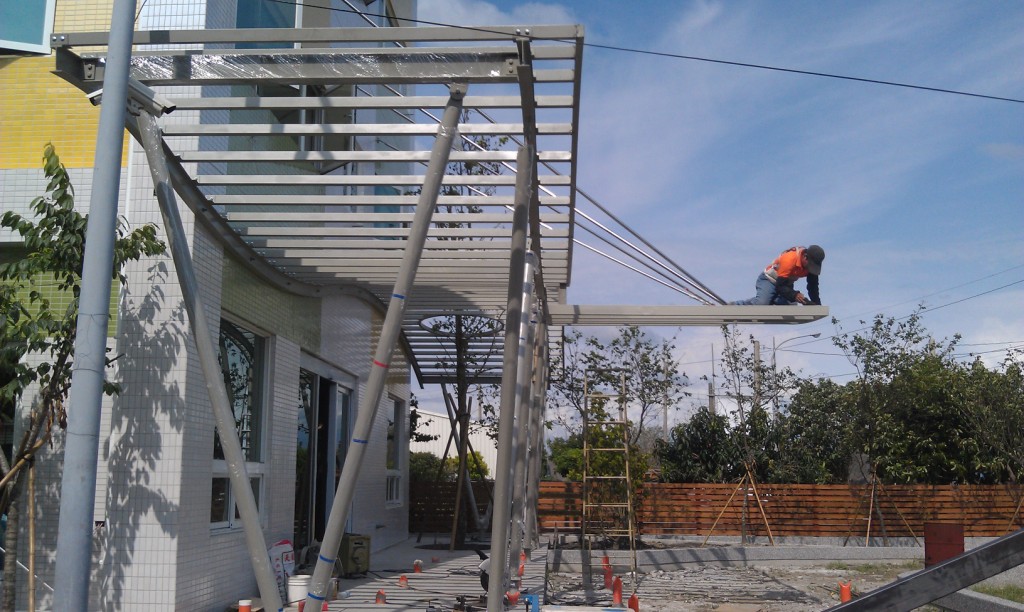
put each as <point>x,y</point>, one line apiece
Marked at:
<point>789,265</point>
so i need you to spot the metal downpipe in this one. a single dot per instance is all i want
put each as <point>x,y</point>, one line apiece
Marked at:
<point>370,400</point>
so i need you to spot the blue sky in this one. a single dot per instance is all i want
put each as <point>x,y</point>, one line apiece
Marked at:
<point>916,196</point>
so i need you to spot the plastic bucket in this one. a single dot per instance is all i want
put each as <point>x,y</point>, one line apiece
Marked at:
<point>298,587</point>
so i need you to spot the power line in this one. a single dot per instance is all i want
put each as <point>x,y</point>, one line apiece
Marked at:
<point>940,291</point>
<point>804,72</point>
<point>923,310</point>
<point>694,58</point>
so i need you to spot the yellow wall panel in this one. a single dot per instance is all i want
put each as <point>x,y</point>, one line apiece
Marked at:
<point>37,107</point>
<point>83,16</point>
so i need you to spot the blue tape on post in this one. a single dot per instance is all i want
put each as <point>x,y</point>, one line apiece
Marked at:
<point>314,596</point>
<point>325,559</point>
<point>358,441</point>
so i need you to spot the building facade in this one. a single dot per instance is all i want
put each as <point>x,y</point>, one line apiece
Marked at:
<point>167,535</point>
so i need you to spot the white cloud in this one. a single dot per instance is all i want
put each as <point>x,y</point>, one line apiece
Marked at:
<point>475,12</point>
<point>912,193</point>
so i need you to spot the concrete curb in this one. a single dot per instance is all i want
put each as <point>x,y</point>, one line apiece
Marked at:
<point>650,560</point>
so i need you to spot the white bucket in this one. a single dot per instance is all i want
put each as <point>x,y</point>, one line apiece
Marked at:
<point>298,587</point>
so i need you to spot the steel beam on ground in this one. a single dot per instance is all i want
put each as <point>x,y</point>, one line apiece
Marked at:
<point>943,579</point>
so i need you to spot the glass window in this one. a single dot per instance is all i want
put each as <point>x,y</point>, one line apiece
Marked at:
<point>265,14</point>
<point>242,359</point>
<point>397,441</point>
<point>241,363</point>
<point>219,512</point>
<point>343,432</point>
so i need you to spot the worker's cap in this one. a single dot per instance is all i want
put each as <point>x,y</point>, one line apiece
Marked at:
<point>815,255</point>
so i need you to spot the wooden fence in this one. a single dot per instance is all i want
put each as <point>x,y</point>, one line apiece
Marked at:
<point>791,510</point>
<point>801,510</point>
<point>432,504</point>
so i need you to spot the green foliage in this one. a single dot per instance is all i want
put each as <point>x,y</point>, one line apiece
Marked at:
<point>55,244</point>
<point>816,437</point>
<point>701,450</point>
<point>425,467</point>
<point>993,403</point>
<point>566,455</point>
<point>414,420</point>
<point>475,465</point>
<point>428,467</point>
<point>906,419</point>
<point>913,414</point>
<point>652,385</point>
<point>29,323</point>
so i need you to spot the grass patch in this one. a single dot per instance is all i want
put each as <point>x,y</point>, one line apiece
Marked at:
<point>1011,592</point>
<point>875,568</point>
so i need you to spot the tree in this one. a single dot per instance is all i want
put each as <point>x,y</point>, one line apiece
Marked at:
<point>817,433</point>
<point>425,466</point>
<point>476,466</point>
<point>481,332</point>
<point>566,455</point>
<point>653,382</point>
<point>701,450</point>
<point>993,403</point>
<point>756,388</point>
<point>906,419</point>
<point>38,318</point>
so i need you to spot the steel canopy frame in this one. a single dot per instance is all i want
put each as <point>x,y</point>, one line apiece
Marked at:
<point>283,143</point>
<point>306,164</point>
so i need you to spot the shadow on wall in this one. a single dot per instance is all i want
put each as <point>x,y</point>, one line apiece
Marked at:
<point>150,402</point>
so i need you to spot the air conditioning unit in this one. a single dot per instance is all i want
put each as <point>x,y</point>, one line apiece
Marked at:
<point>354,556</point>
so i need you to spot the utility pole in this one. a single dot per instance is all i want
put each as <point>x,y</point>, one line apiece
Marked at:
<point>664,411</point>
<point>757,373</point>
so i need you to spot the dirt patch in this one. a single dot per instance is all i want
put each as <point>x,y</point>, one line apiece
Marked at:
<point>747,589</point>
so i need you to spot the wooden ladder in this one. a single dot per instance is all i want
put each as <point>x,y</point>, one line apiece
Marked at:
<point>607,482</point>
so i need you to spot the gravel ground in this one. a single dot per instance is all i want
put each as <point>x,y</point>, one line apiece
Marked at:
<point>768,589</point>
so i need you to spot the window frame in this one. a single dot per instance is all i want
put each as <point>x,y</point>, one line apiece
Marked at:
<point>257,470</point>
<point>395,451</point>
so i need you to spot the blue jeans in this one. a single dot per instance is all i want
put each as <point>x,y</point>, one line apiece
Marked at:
<point>766,294</point>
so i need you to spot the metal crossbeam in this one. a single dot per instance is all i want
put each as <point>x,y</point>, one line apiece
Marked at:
<point>582,314</point>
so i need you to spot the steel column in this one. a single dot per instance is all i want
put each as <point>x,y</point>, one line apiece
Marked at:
<point>149,133</point>
<point>78,481</point>
<point>524,401</point>
<point>370,400</point>
<point>534,472</point>
<point>506,420</point>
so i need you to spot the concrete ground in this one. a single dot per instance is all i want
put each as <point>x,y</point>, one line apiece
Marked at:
<point>726,578</point>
